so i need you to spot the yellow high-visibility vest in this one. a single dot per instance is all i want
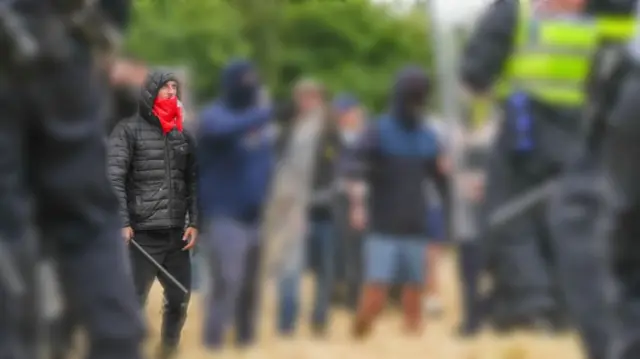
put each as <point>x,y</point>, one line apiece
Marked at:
<point>480,110</point>
<point>552,55</point>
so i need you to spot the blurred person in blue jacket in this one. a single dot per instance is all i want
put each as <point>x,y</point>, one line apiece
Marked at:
<point>350,116</point>
<point>235,154</point>
<point>395,156</point>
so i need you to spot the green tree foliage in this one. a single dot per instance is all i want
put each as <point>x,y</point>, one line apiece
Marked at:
<point>350,45</point>
<point>202,34</point>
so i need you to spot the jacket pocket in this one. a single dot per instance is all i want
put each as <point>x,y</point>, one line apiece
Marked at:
<point>180,155</point>
<point>147,203</point>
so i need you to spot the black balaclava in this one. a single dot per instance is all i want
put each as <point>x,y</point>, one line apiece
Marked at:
<point>411,95</point>
<point>240,85</point>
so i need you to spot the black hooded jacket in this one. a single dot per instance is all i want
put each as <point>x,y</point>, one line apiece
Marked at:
<point>153,175</point>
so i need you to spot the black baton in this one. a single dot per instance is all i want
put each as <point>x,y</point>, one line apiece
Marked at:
<point>159,267</point>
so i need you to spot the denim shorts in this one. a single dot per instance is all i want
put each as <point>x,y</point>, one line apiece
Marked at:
<point>390,259</point>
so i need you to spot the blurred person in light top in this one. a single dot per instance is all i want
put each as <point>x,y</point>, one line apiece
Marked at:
<point>319,247</point>
<point>436,225</point>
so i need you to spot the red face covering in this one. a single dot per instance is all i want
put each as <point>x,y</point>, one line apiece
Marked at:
<point>169,114</point>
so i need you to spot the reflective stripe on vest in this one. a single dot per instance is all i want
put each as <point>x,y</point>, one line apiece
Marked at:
<point>553,56</point>
<point>616,28</point>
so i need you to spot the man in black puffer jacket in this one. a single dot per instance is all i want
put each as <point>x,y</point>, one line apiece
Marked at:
<point>153,171</point>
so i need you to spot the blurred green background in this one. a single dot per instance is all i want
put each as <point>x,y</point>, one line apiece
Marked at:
<point>350,45</point>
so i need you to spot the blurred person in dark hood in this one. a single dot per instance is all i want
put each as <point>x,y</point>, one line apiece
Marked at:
<point>125,77</point>
<point>319,248</point>
<point>54,182</point>
<point>153,171</point>
<point>350,117</point>
<point>394,158</point>
<point>235,147</point>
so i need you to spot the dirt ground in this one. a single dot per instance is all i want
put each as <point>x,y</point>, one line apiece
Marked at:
<point>386,343</point>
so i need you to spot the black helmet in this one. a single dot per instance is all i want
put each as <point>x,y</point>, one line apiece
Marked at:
<point>611,7</point>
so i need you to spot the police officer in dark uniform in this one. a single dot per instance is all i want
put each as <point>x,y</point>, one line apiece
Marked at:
<point>602,195</point>
<point>582,207</point>
<point>541,120</point>
<point>621,150</point>
<point>53,177</point>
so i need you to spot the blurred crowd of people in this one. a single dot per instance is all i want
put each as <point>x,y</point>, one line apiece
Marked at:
<point>246,190</point>
<point>375,217</point>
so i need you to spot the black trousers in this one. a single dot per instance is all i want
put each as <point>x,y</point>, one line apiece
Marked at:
<point>470,266</point>
<point>577,216</point>
<point>53,177</point>
<point>621,150</point>
<point>165,246</point>
<point>348,253</point>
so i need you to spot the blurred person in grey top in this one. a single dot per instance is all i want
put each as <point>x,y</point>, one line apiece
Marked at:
<point>436,224</point>
<point>476,144</point>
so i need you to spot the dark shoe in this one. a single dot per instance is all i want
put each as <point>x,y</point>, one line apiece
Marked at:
<point>319,330</point>
<point>560,324</point>
<point>244,344</point>
<point>287,333</point>
<point>468,330</point>
<point>536,323</point>
<point>539,324</point>
<point>166,351</point>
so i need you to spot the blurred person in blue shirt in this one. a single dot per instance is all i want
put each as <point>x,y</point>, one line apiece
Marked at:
<point>395,156</point>
<point>235,154</point>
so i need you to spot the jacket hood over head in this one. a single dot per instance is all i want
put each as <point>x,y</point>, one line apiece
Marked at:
<point>240,85</point>
<point>154,82</point>
<point>411,92</point>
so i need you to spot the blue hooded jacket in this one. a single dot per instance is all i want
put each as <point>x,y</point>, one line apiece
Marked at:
<point>396,155</point>
<point>235,148</point>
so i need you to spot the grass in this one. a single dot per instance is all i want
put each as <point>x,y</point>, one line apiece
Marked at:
<point>437,342</point>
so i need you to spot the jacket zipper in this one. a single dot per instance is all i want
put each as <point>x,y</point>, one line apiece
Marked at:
<point>167,159</point>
